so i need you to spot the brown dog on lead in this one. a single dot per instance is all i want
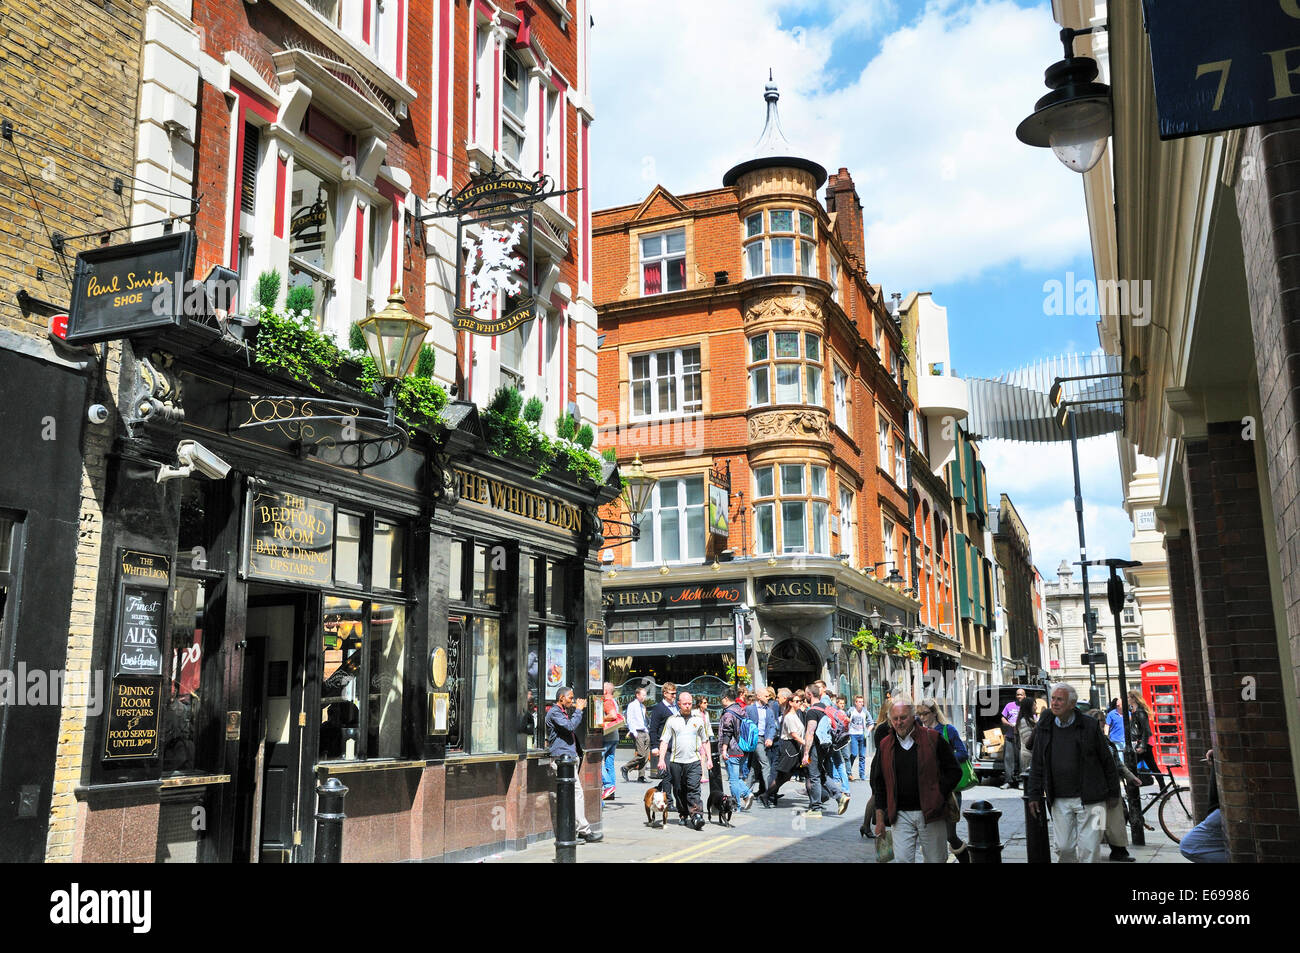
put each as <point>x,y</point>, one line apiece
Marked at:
<point>656,802</point>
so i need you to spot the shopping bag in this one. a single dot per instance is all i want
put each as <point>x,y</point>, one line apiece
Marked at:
<point>885,847</point>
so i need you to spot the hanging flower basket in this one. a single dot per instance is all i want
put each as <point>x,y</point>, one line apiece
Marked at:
<point>866,641</point>
<point>738,674</point>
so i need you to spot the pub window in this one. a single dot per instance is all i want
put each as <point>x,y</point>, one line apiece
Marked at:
<point>389,550</point>
<point>180,727</point>
<point>347,549</point>
<point>477,644</point>
<point>342,641</point>
<point>456,571</point>
<point>547,660</point>
<point>387,638</point>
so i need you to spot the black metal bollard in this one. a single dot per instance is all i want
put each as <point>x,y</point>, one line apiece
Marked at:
<point>982,838</point>
<point>329,821</point>
<point>1037,844</point>
<point>566,823</point>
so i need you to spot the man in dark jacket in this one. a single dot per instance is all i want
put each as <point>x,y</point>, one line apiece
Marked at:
<point>1074,768</point>
<point>659,716</point>
<point>912,775</point>
<point>564,740</point>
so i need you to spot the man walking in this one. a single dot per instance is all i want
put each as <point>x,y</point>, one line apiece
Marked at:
<point>1073,766</point>
<point>659,716</point>
<point>686,739</point>
<point>563,731</point>
<point>729,725</point>
<point>911,777</point>
<point>767,716</point>
<point>1011,741</point>
<point>640,732</point>
<point>859,724</point>
<point>822,785</point>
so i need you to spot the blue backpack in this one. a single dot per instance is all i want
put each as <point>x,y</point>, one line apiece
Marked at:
<point>747,736</point>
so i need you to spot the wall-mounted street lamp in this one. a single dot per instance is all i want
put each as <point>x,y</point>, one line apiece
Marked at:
<point>894,578</point>
<point>394,337</point>
<point>1074,119</point>
<point>638,485</point>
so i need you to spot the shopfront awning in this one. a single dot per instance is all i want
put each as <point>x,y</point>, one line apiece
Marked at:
<point>711,647</point>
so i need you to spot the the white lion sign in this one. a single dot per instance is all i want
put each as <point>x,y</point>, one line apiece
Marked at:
<point>491,266</point>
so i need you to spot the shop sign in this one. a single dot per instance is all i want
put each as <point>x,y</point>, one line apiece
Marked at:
<point>783,590</point>
<point>718,511</point>
<point>516,501</point>
<point>1225,67</point>
<point>291,538</point>
<point>691,596</point>
<point>141,613</point>
<point>121,290</point>
<point>134,717</point>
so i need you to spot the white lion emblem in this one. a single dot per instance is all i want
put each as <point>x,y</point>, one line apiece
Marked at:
<point>490,267</point>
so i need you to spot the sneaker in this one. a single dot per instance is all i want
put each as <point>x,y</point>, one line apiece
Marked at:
<point>844,804</point>
<point>609,793</point>
<point>747,803</point>
<point>624,772</point>
<point>813,812</point>
<point>592,837</point>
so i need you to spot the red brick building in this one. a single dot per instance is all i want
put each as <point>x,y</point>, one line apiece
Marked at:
<point>741,338</point>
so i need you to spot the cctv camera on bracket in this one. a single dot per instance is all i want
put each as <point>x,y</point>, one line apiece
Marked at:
<point>194,456</point>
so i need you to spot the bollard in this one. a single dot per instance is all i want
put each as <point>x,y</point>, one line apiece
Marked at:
<point>329,821</point>
<point>1037,844</point>
<point>982,838</point>
<point>566,824</point>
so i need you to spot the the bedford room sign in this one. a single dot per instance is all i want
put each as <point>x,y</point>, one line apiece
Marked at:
<point>291,537</point>
<point>1222,64</point>
<point>120,290</point>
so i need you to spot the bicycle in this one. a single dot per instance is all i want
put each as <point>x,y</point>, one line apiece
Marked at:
<point>1174,811</point>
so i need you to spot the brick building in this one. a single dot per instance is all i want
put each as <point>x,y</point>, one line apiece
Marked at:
<point>310,139</point>
<point>759,377</point>
<point>1021,643</point>
<point>1215,411</point>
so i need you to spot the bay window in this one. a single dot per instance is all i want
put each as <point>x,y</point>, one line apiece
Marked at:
<point>796,496</point>
<point>797,373</point>
<point>663,262</point>
<point>787,246</point>
<point>672,528</point>
<point>834,276</point>
<point>666,382</point>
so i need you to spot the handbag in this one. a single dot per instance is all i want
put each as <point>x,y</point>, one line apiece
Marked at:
<point>968,779</point>
<point>885,847</point>
<point>952,810</point>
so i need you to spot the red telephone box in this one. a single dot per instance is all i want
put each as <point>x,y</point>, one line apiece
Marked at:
<point>1164,693</point>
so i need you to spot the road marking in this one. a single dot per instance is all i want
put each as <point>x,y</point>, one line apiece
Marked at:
<point>698,850</point>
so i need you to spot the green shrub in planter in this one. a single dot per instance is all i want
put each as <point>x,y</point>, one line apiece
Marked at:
<point>585,437</point>
<point>565,426</point>
<point>534,409</point>
<point>268,288</point>
<point>300,299</point>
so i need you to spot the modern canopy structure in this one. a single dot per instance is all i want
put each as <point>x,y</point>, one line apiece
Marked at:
<point>1016,405</point>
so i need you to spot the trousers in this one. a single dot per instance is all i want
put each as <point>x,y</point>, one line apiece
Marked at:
<point>579,808</point>
<point>638,762</point>
<point>912,830</point>
<point>686,787</point>
<point>822,785</point>
<point>1077,828</point>
<point>1205,843</point>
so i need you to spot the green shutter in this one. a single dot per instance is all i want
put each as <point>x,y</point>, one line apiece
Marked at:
<point>956,486</point>
<point>960,559</point>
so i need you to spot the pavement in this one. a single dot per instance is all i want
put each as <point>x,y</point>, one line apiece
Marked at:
<point>763,835</point>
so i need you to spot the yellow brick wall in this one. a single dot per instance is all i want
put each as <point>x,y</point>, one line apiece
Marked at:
<point>71,75</point>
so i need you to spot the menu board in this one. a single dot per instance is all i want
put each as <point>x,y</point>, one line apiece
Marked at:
<point>556,659</point>
<point>140,626</point>
<point>134,718</point>
<point>291,538</point>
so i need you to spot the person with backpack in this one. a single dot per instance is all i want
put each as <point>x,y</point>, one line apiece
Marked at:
<point>840,752</point>
<point>737,738</point>
<point>819,739</point>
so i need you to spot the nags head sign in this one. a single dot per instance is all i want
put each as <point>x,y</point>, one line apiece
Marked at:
<point>120,290</point>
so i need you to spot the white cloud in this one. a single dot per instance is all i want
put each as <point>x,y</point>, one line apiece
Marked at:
<point>1054,533</point>
<point>1026,471</point>
<point>927,127</point>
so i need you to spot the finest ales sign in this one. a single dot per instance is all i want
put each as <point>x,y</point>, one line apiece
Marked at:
<point>120,290</point>
<point>1223,64</point>
<point>291,538</point>
<point>141,613</point>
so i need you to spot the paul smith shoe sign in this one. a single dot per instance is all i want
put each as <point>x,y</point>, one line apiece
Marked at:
<point>121,290</point>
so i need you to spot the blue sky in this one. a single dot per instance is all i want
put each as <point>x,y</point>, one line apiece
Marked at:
<point>919,100</point>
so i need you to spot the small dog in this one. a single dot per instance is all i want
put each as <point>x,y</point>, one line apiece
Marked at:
<point>719,800</point>
<point>656,802</point>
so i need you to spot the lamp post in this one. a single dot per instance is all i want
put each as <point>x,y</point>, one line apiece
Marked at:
<point>393,337</point>
<point>894,578</point>
<point>1074,118</point>
<point>833,644</point>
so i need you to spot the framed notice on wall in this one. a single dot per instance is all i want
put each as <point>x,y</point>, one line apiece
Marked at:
<point>556,660</point>
<point>143,583</point>
<point>595,664</point>
<point>134,718</point>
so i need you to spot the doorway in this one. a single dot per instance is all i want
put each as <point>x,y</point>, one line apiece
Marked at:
<point>276,754</point>
<point>792,665</point>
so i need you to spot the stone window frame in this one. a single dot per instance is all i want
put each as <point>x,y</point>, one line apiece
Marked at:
<point>776,501</point>
<point>678,377</point>
<point>772,361</point>
<point>651,527</point>
<point>664,258</point>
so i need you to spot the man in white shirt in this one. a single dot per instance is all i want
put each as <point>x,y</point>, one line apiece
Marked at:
<point>687,734</point>
<point>636,727</point>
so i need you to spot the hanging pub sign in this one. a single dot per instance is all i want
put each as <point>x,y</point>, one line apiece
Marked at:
<point>121,290</point>
<point>496,291</point>
<point>719,499</point>
<point>290,537</point>
<point>1235,63</point>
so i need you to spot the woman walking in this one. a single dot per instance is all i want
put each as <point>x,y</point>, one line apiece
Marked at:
<point>933,717</point>
<point>1140,721</point>
<point>792,728</point>
<point>1026,722</point>
<point>613,720</point>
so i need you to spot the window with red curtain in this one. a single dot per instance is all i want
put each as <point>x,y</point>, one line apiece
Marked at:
<point>653,281</point>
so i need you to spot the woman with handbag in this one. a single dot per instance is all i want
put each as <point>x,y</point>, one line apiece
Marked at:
<point>1026,722</point>
<point>613,720</point>
<point>932,716</point>
<point>792,729</point>
<point>1140,724</point>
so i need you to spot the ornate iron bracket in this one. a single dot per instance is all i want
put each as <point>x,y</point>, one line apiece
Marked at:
<point>295,417</point>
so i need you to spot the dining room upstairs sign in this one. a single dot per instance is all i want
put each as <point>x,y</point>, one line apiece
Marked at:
<point>1223,64</point>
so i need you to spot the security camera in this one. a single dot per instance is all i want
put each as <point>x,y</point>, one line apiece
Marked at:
<point>194,456</point>
<point>98,414</point>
